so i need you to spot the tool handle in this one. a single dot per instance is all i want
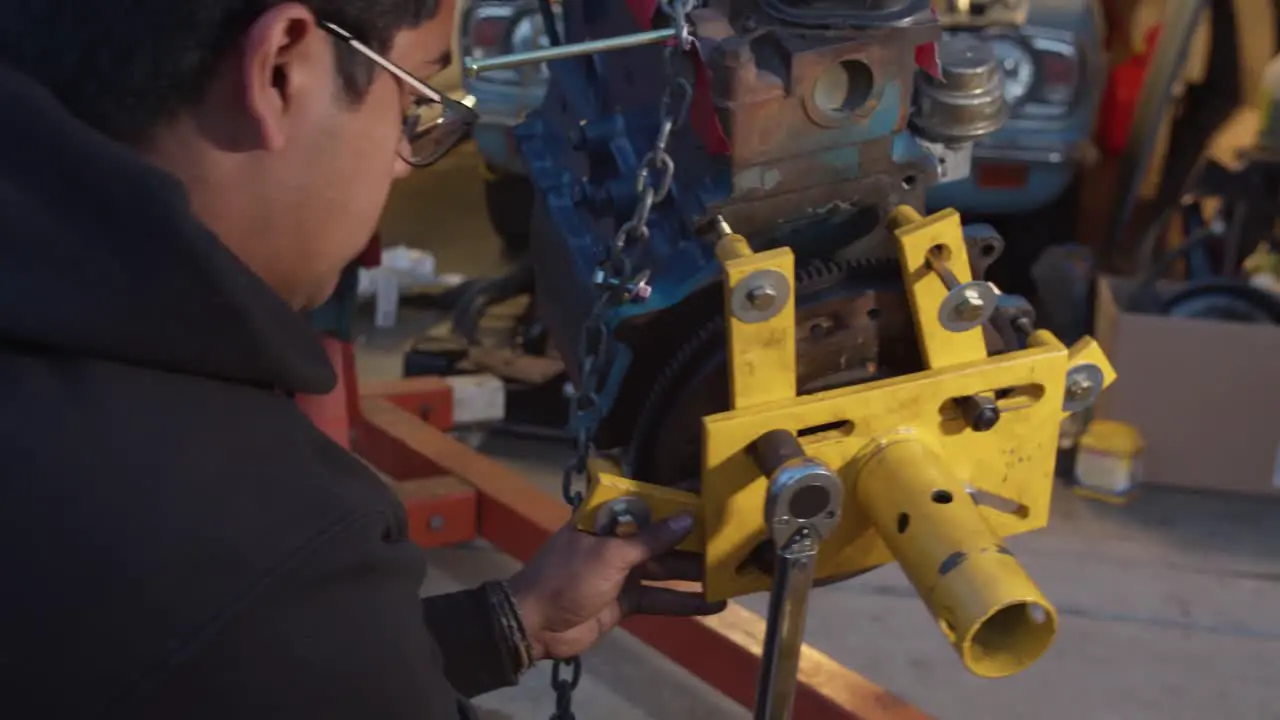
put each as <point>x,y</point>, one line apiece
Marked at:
<point>784,637</point>
<point>477,66</point>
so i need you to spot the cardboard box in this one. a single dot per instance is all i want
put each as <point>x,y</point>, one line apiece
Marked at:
<point>1205,395</point>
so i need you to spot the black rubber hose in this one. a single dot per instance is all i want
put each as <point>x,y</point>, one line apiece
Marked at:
<point>471,308</point>
<point>1145,299</point>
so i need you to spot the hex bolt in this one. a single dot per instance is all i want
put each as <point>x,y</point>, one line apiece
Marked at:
<point>971,306</point>
<point>762,298</point>
<point>625,524</point>
<point>979,411</point>
<point>1079,388</point>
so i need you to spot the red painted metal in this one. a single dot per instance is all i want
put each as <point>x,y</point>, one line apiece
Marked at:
<point>441,511</point>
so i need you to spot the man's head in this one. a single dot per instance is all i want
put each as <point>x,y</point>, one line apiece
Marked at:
<point>285,136</point>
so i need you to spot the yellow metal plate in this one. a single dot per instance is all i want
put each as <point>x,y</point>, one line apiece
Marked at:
<point>762,356</point>
<point>662,503</point>
<point>1014,460</point>
<point>938,346</point>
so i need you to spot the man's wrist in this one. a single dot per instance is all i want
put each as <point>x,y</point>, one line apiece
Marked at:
<point>519,649</point>
<point>530,615</point>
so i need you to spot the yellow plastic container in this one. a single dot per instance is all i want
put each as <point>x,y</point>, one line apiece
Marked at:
<point>1109,461</point>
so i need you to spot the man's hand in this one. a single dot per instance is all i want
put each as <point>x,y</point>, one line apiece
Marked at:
<point>579,586</point>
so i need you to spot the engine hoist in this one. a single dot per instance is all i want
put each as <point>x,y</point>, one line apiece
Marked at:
<point>764,328</point>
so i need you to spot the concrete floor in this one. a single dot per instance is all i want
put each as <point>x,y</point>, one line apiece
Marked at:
<point>1170,607</point>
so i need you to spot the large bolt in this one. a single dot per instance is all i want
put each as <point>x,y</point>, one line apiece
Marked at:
<point>624,523</point>
<point>980,412</point>
<point>971,306</point>
<point>1079,388</point>
<point>762,298</point>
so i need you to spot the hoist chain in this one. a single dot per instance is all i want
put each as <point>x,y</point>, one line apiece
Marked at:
<point>618,282</point>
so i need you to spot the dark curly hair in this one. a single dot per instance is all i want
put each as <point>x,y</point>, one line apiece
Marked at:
<point>127,66</point>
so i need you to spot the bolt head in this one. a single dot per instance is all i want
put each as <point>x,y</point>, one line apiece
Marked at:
<point>985,419</point>
<point>625,524</point>
<point>1079,388</point>
<point>762,298</point>
<point>970,308</point>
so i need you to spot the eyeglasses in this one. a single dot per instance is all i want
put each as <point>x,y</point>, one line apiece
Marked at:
<point>434,124</point>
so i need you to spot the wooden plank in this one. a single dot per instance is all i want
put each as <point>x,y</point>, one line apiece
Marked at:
<point>724,651</point>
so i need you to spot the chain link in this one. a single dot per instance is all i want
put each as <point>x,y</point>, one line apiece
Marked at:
<point>618,281</point>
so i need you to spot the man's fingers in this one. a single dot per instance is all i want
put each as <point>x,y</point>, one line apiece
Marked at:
<point>648,600</point>
<point>673,566</point>
<point>659,538</point>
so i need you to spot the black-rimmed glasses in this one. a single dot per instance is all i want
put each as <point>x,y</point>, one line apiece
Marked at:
<point>434,123</point>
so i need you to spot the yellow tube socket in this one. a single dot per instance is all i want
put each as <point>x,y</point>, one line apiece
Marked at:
<point>985,603</point>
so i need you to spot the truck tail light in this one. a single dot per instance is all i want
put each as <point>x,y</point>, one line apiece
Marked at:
<point>1059,76</point>
<point>490,33</point>
<point>1001,175</point>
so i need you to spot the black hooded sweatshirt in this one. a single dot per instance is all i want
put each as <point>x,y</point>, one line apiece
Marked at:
<point>178,541</point>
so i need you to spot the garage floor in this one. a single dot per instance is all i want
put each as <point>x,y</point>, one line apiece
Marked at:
<point>1170,607</point>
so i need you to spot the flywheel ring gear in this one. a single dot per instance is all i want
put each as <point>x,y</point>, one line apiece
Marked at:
<point>862,301</point>
<point>666,446</point>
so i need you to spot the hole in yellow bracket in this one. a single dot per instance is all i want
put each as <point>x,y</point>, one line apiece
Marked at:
<point>1008,399</point>
<point>827,431</point>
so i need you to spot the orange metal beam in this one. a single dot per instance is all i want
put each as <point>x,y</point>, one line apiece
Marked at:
<point>441,511</point>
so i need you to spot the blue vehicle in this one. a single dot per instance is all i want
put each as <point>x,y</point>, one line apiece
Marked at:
<point>1022,175</point>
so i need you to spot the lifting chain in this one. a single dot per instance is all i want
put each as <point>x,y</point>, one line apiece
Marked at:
<point>618,282</point>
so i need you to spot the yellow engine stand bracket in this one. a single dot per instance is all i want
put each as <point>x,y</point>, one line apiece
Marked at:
<point>985,603</point>
<point>895,443</point>
<point>760,311</point>
<point>611,499</point>
<point>940,235</point>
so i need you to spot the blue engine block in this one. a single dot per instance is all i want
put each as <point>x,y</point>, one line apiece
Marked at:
<point>583,147</point>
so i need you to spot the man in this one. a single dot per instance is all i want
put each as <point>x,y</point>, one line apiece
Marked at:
<point>178,182</point>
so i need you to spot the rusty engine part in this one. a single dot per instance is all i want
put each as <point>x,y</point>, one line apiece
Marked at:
<point>853,325</point>
<point>812,96</point>
<point>966,101</point>
<point>816,101</point>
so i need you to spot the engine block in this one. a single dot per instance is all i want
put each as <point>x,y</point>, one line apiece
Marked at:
<point>817,103</point>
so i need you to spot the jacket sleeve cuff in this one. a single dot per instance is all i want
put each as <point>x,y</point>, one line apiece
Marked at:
<point>481,638</point>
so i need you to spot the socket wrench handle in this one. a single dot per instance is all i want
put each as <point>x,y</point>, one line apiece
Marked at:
<point>802,507</point>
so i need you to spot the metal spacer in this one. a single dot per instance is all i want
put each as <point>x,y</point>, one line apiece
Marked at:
<point>760,296</point>
<point>968,306</point>
<point>1084,384</point>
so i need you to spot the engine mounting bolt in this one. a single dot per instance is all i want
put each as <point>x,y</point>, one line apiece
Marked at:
<point>625,524</point>
<point>762,298</point>
<point>1079,388</point>
<point>980,412</point>
<point>971,306</point>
